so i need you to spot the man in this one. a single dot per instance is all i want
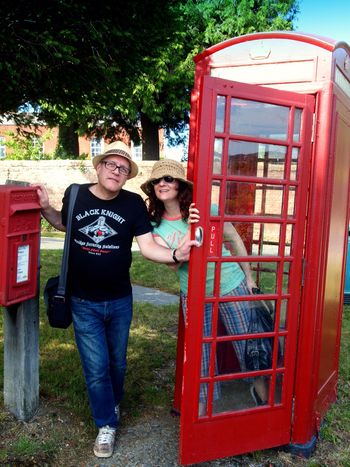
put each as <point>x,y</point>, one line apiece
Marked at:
<point>105,220</point>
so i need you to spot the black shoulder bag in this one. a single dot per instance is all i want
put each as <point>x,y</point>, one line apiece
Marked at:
<point>259,351</point>
<point>56,300</point>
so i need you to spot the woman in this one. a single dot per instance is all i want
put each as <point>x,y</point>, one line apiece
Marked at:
<point>170,210</point>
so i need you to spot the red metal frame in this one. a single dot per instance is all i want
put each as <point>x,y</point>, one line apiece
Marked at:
<point>314,399</point>
<point>211,437</point>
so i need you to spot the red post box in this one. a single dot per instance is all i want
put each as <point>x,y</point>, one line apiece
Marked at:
<point>19,243</point>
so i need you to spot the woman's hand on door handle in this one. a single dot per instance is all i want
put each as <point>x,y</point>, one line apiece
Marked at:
<point>193,216</point>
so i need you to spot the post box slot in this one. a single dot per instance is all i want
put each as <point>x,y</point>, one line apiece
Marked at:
<point>23,207</point>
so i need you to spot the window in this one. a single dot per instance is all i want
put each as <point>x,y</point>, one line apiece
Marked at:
<point>96,146</point>
<point>136,151</point>
<point>38,145</point>
<point>2,148</point>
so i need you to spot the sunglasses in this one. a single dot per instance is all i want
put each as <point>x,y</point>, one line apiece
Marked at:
<point>166,178</point>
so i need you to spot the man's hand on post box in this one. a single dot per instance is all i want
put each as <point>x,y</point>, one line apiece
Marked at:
<point>48,212</point>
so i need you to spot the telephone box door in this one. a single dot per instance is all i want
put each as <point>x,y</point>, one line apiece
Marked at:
<point>251,174</point>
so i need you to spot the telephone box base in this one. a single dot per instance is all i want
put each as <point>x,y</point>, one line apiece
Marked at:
<point>303,450</point>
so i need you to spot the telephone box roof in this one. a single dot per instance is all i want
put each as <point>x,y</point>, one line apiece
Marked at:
<point>313,39</point>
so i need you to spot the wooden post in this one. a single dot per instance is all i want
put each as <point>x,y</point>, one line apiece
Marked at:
<point>21,359</point>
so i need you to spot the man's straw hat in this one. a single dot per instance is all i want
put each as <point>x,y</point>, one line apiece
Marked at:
<point>118,148</point>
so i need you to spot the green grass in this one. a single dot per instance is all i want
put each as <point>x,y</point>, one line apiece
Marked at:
<point>336,428</point>
<point>150,274</point>
<point>48,230</point>
<point>27,447</point>
<point>151,367</point>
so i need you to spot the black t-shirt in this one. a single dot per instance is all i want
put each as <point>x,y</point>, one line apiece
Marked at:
<point>101,239</point>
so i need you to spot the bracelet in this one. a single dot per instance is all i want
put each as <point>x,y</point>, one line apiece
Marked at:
<point>176,261</point>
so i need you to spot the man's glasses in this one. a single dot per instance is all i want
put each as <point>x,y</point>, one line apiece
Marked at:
<point>166,178</point>
<point>112,166</point>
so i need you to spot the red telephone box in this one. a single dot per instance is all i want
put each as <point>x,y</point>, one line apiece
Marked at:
<point>270,145</point>
<point>19,243</point>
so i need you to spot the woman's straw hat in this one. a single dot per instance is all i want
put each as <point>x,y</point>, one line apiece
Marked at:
<point>161,169</point>
<point>118,148</point>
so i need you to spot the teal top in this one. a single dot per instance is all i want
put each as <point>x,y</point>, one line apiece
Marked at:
<point>172,231</point>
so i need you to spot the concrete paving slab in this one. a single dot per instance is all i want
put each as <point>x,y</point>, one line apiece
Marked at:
<point>154,296</point>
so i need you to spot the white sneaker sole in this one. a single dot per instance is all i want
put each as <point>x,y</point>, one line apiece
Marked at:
<point>103,455</point>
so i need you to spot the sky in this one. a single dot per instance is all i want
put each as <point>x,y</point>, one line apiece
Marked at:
<point>329,18</point>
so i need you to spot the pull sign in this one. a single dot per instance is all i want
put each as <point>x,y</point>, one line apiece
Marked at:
<point>213,240</point>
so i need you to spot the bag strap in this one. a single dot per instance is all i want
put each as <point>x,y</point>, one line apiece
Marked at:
<point>61,289</point>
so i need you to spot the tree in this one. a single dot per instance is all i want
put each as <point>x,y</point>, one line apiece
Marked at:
<point>69,58</point>
<point>104,70</point>
<point>160,94</point>
<point>27,147</point>
<point>162,91</point>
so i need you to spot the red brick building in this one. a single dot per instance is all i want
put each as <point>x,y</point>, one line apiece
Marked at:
<point>48,138</point>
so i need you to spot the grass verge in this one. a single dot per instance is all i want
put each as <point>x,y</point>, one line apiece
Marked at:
<point>61,433</point>
<point>149,274</point>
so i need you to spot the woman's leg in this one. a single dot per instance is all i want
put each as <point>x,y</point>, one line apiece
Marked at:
<point>236,318</point>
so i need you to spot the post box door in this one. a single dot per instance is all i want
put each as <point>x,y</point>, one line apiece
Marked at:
<point>251,175</point>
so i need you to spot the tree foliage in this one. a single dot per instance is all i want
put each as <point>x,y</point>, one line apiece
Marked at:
<point>29,147</point>
<point>161,91</point>
<point>100,68</point>
<point>68,54</point>
<point>164,89</point>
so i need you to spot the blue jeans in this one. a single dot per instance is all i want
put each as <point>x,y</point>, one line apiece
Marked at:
<point>102,332</point>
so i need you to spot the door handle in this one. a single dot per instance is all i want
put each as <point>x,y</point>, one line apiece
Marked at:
<point>198,235</point>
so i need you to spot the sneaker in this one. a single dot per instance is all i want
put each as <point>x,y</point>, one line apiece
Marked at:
<point>104,444</point>
<point>117,412</point>
<point>257,399</point>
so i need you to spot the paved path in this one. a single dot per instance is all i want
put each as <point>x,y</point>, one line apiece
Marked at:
<point>154,296</point>
<point>51,243</point>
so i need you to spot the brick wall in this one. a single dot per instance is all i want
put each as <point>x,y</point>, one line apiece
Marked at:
<point>56,175</point>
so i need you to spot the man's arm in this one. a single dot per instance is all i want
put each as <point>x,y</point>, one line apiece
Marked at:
<point>162,254</point>
<point>51,214</point>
